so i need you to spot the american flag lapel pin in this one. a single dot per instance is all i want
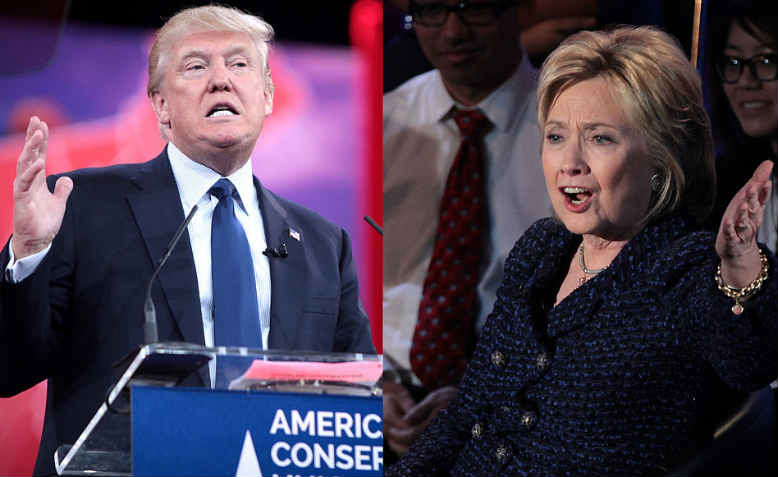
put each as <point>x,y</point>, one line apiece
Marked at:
<point>294,234</point>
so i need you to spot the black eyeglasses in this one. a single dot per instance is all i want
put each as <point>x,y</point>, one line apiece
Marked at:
<point>471,13</point>
<point>763,67</point>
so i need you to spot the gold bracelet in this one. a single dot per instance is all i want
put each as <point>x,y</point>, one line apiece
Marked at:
<point>741,294</point>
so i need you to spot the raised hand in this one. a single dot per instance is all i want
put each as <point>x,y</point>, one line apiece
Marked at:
<point>736,240</point>
<point>37,212</point>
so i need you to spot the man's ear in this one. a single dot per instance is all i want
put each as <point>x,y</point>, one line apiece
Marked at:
<point>160,108</point>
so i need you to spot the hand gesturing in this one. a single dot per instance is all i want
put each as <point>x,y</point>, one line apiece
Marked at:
<point>37,212</point>
<point>736,240</point>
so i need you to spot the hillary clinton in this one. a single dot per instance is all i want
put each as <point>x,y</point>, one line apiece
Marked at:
<point>620,324</point>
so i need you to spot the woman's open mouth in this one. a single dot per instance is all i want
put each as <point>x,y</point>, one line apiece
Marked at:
<point>577,199</point>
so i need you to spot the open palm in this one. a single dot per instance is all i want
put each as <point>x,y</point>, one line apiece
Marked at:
<point>37,212</point>
<point>736,240</point>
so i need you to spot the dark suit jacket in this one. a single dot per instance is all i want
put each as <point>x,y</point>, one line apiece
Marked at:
<point>82,309</point>
<point>621,378</point>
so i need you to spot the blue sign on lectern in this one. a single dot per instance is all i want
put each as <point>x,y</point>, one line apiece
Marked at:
<point>193,431</point>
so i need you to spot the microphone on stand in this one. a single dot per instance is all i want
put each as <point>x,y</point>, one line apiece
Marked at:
<point>170,368</point>
<point>150,334</point>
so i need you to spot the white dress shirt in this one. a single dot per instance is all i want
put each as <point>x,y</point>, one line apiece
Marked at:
<point>420,143</point>
<point>193,180</point>
<point>18,270</point>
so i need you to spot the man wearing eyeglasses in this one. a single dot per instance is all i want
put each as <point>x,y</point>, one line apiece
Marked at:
<point>462,180</point>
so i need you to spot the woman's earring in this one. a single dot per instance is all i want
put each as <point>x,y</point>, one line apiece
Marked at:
<point>656,182</point>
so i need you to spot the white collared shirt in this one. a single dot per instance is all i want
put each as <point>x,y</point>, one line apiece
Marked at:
<point>420,142</point>
<point>194,180</point>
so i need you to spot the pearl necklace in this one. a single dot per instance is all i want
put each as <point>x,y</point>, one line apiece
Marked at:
<point>587,271</point>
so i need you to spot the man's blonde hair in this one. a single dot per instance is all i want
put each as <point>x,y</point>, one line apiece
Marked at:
<point>660,92</point>
<point>208,18</point>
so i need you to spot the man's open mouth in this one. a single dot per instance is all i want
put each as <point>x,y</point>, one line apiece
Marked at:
<point>221,110</point>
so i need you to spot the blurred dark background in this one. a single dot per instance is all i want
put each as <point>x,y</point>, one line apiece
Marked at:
<point>320,22</point>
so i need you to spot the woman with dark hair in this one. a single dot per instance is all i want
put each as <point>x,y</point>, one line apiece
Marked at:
<point>743,80</point>
<point>620,323</point>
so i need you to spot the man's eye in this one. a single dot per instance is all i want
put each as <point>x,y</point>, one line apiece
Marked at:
<point>553,137</point>
<point>195,67</point>
<point>602,139</point>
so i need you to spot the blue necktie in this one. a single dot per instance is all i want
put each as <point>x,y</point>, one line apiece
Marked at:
<point>235,311</point>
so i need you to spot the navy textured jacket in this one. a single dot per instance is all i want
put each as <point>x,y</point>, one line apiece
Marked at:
<point>618,379</point>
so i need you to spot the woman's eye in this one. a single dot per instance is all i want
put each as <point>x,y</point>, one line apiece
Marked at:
<point>553,137</point>
<point>602,139</point>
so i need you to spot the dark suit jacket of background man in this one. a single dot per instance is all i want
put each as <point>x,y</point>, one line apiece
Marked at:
<point>116,227</point>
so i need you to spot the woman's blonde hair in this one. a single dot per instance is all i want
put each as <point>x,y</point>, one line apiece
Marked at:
<point>661,94</point>
<point>208,18</point>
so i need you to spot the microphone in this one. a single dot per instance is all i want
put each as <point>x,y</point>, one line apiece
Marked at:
<point>373,224</point>
<point>150,325</point>
<point>277,252</point>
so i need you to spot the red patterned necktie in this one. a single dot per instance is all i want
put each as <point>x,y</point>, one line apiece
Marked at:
<point>444,334</point>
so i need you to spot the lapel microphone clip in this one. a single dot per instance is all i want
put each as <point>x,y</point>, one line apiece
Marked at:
<point>277,252</point>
